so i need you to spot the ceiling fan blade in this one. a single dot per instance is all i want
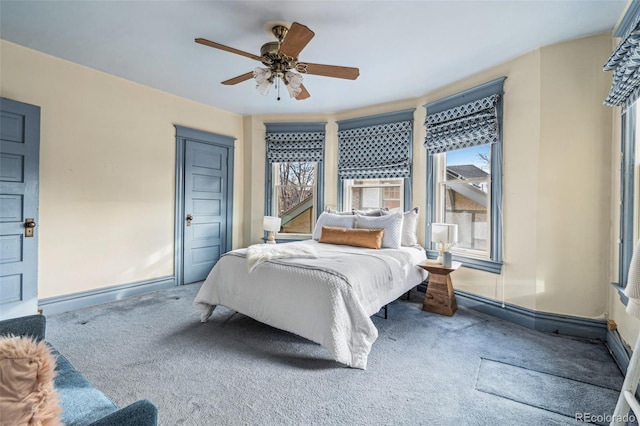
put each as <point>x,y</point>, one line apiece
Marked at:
<point>304,94</point>
<point>349,73</point>
<point>296,39</point>
<point>239,79</point>
<point>227,48</point>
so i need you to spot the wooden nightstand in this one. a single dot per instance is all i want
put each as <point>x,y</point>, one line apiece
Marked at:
<point>439,297</point>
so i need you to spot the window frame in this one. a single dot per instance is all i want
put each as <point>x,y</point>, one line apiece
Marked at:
<point>269,202</point>
<point>441,183</point>
<point>627,237</point>
<point>494,262</point>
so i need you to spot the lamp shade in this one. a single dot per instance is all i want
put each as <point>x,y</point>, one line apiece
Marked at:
<point>271,223</point>
<point>446,233</point>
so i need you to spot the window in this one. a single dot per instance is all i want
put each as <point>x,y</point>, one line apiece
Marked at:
<point>295,188</point>
<point>464,180</point>
<point>367,194</point>
<point>294,176</point>
<point>464,173</point>
<point>374,161</point>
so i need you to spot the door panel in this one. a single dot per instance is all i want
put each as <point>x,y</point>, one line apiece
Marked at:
<point>206,168</point>
<point>19,162</point>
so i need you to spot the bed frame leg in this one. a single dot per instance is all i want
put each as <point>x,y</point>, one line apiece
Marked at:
<point>409,295</point>
<point>386,309</point>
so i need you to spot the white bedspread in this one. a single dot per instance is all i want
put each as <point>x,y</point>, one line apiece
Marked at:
<point>260,253</point>
<point>328,299</point>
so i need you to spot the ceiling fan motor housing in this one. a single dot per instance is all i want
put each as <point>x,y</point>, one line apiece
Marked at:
<point>270,50</point>
<point>271,57</point>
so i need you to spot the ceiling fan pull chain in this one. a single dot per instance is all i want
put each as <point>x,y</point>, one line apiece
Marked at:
<point>278,87</point>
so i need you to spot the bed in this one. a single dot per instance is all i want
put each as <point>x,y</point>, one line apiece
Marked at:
<point>323,292</point>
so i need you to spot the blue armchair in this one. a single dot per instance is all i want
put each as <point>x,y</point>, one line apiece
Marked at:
<point>82,404</point>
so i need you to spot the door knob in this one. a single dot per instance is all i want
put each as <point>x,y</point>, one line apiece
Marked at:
<point>29,224</point>
<point>189,219</point>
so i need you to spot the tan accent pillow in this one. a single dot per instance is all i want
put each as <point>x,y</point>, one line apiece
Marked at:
<point>27,395</point>
<point>368,238</point>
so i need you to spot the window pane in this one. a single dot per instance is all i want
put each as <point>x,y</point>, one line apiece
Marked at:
<point>466,204</point>
<point>469,163</point>
<point>294,193</point>
<point>374,193</point>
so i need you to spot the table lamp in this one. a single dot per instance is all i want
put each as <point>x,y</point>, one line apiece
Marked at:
<point>445,235</point>
<point>271,224</point>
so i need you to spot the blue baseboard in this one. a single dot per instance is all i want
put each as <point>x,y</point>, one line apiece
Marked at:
<point>70,302</point>
<point>620,352</point>
<point>541,321</point>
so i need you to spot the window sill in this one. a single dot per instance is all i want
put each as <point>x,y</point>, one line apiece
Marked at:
<point>487,265</point>
<point>623,298</point>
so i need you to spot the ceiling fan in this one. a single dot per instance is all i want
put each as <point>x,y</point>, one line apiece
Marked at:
<point>281,57</point>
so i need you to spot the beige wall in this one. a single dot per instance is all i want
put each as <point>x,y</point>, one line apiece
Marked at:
<point>575,144</point>
<point>107,170</point>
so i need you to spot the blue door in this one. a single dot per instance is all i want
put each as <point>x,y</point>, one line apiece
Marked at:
<point>205,206</point>
<point>19,174</point>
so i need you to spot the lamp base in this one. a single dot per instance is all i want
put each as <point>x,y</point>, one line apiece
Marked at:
<point>271,239</point>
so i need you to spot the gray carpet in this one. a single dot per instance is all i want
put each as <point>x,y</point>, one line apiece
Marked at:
<point>543,390</point>
<point>232,370</point>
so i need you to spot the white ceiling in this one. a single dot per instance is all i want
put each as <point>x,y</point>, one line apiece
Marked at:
<point>404,49</point>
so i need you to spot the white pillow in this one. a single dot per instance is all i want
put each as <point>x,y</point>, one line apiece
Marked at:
<point>332,219</point>
<point>330,210</point>
<point>409,227</point>
<point>392,225</point>
<point>372,212</point>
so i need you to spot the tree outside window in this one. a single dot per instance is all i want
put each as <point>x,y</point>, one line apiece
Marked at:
<point>294,196</point>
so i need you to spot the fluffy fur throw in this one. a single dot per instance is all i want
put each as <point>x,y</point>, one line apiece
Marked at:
<point>260,253</point>
<point>27,395</point>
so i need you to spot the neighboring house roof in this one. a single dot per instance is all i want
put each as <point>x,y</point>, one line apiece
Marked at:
<point>296,210</point>
<point>467,171</point>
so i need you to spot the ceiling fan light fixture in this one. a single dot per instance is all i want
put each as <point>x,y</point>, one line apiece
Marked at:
<point>293,82</point>
<point>264,80</point>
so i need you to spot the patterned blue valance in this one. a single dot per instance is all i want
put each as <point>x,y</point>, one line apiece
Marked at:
<point>625,61</point>
<point>625,64</point>
<point>294,146</point>
<point>471,124</point>
<point>381,151</point>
